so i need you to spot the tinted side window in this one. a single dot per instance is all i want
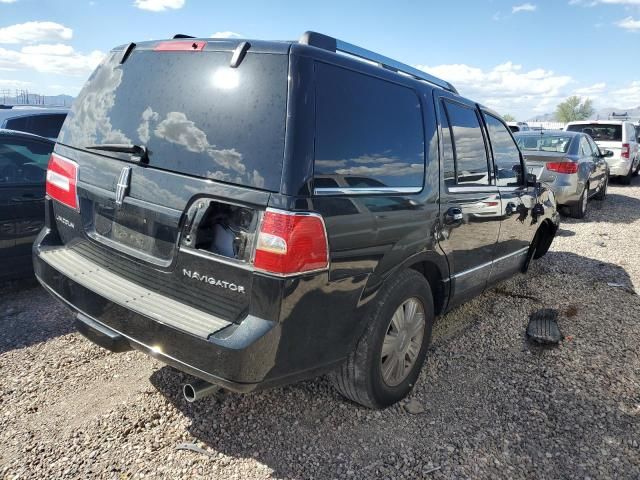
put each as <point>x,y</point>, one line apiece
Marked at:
<point>585,148</point>
<point>369,132</point>
<point>19,123</point>
<point>468,145</point>
<point>448,162</point>
<point>506,154</point>
<point>47,125</point>
<point>23,161</point>
<point>594,147</point>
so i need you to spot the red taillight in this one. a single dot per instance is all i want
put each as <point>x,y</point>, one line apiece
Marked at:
<point>290,243</point>
<point>62,177</point>
<point>563,167</point>
<point>180,46</point>
<point>624,153</point>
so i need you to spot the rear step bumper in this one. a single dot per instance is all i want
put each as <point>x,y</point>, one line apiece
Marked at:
<point>135,297</point>
<point>239,357</point>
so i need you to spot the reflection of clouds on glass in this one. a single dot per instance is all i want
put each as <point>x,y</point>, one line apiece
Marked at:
<point>370,165</point>
<point>90,110</point>
<point>331,163</point>
<point>176,128</point>
<point>387,170</point>
<point>469,145</point>
<point>143,129</point>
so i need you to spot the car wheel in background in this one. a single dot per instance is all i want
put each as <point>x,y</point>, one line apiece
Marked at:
<point>389,356</point>
<point>635,172</point>
<point>579,209</point>
<point>602,193</point>
<point>626,180</point>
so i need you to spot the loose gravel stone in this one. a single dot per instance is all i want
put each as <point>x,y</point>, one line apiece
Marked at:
<point>495,405</point>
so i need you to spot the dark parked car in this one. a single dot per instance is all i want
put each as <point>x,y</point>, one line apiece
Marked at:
<point>23,167</point>
<point>256,213</point>
<point>42,121</point>
<point>570,163</point>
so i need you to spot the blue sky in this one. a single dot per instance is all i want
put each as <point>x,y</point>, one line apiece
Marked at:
<point>517,57</point>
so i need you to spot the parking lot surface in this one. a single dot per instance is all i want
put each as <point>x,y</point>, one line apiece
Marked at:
<point>488,404</point>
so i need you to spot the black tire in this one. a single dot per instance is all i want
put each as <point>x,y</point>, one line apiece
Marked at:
<point>626,180</point>
<point>602,193</point>
<point>579,209</point>
<point>637,170</point>
<point>360,378</point>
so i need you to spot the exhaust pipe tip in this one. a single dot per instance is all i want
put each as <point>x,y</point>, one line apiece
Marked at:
<point>197,390</point>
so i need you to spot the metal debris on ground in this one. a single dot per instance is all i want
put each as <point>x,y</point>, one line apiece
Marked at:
<point>194,448</point>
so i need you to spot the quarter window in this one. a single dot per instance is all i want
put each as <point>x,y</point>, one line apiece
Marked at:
<point>369,132</point>
<point>469,150</point>
<point>47,125</point>
<point>506,154</point>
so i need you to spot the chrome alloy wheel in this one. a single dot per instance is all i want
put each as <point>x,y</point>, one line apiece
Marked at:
<point>585,198</point>
<point>402,341</point>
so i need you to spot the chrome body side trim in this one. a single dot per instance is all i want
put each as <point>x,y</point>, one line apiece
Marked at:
<point>364,191</point>
<point>522,251</point>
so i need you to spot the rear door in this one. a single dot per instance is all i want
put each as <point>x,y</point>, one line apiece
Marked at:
<point>470,202</point>
<point>599,161</point>
<point>517,200</point>
<point>183,222</point>
<point>587,162</point>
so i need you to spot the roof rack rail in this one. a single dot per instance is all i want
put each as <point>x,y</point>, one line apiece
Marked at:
<point>326,42</point>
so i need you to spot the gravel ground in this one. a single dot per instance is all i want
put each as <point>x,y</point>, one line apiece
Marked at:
<point>488,403</point>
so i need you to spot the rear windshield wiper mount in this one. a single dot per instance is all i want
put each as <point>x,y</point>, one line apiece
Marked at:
<point>139,153</point>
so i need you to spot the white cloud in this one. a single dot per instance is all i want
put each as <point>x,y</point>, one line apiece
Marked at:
<point>11,84</point>
<point>595,89</point>
<point>506,87</point>
<point>629,23</point>
<point>226,34</point>
<point>8,1</point>
<point>46,49</point>
<point>57,58</point>
<point>525,7</point>
<point>630,94</point>
<point>34,32</point>
<point>159,5</point>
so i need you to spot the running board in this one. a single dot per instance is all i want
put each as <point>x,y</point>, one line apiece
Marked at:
<point>131,295</point>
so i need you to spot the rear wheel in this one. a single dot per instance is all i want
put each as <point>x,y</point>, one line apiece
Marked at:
<point>626,180</point>
<point>635,172</point>
<point>389,356</point>
<point>579,210</point>
<point>602,193</point>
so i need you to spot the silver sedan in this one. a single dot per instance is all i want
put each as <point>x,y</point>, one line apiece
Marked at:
<point>570,163</point>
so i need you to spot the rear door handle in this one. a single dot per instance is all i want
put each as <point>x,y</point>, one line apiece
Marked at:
<point>453,216</point>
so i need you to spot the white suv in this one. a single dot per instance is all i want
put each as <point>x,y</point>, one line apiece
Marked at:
<point>620,137</point>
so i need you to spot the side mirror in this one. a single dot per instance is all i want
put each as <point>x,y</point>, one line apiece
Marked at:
<point>606,153</point>
<point>532,180</point>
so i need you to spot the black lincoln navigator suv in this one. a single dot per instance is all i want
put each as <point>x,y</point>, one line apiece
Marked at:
<point>256,213</point>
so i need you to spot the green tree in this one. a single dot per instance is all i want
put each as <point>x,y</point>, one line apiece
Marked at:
<point>508,117</point>
<point>573,108</point>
